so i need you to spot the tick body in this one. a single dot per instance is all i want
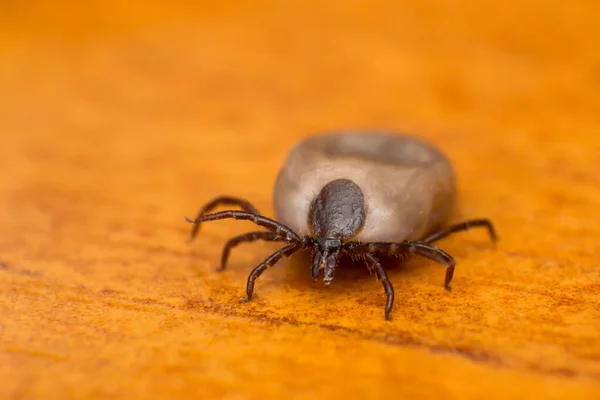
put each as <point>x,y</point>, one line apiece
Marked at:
<point>359,193</point>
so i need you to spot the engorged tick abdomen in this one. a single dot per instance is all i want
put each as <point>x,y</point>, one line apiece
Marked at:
<point>408,185</point>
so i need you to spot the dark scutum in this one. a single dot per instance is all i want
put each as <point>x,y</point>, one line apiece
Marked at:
<point>338,211</point>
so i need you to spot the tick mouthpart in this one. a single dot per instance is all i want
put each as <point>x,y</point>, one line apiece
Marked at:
<point>325,257</point>
<point>328,275</point>
<point>317,264</point>
<point>328,264</point>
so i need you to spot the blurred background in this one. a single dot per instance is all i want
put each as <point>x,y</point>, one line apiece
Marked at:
<point>172,102</point>
<point>118,118</point>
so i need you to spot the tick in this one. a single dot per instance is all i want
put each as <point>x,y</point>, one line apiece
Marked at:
<point>363,194</point>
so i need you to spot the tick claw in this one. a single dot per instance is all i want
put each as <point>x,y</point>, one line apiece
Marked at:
<point>245,300</point>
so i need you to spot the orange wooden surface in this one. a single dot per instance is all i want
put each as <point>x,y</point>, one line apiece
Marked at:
<point>117,119</point>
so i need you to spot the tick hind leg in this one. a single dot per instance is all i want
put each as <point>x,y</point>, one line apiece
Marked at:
<point>247,238</point>
<point>463,226</point>
<point>426,250</point>
<point>222,201</point>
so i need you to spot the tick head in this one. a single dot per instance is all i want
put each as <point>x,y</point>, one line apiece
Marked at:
<point>325,257</point>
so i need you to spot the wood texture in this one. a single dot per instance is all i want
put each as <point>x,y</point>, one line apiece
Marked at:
<point>117,120</point>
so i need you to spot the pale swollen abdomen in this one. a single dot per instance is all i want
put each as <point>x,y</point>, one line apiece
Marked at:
<point>408,185</point>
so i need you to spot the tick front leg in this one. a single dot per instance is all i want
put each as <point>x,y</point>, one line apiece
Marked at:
<point>463,226</point>
<point>387,285</point>
<point>246,238</point>
<point>259,220</point>
<point>222,201</point>
<point>269,262</point>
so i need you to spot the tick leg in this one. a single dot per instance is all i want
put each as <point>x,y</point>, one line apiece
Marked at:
<point>219,201</point>
<point>279,229</point>
<point>269,262</point>
<point>419,248</point>
<point>387,285</point>
<point>247,237</point>
<point>463,226</point>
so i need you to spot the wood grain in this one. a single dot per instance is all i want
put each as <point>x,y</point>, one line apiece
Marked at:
<point>117,120</point>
